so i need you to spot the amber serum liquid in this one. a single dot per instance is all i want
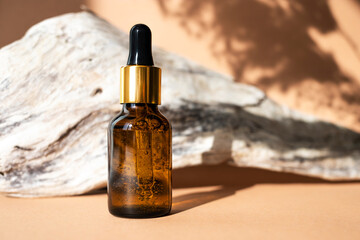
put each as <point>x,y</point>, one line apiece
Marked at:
<point>139,138</point>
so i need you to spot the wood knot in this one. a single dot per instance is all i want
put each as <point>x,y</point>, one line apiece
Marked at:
<point>96,91</point>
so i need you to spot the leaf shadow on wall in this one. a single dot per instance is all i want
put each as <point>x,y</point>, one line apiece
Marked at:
<point>271,38</point>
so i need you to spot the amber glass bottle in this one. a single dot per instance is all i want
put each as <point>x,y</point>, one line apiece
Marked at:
<point>139,138</point>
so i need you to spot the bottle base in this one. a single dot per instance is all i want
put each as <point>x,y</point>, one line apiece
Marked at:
<point>139,212</point>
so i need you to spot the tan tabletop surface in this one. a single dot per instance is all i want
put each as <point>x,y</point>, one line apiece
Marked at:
<point>213,202</point>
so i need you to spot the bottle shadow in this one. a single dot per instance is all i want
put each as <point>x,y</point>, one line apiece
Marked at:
<point>225,181</point>
<point>192,200</point>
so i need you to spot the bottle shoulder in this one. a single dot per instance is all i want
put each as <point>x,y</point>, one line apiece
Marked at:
<point>120,117</point>
<point>164,119</point>
<point>147,121</point>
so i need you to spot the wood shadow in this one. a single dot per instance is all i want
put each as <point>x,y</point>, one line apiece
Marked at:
<point>228,180</point>
<point>95,192</point>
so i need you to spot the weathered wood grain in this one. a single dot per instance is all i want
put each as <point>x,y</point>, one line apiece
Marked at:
<point>59,88</point>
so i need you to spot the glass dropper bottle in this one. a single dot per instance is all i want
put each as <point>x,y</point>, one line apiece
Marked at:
<point>139,138</point>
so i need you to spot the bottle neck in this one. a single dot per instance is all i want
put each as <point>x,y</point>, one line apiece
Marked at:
<point>139,108</point>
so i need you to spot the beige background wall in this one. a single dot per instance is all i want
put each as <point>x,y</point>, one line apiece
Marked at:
<point>303,53</point>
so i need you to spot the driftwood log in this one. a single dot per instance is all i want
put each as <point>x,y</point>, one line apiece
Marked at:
<point>59,87</point>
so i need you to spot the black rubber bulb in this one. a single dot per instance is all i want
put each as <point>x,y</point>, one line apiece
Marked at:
<point>140,46</point>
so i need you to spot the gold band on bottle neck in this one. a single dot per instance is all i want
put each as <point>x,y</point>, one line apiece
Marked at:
<point>140,84</point>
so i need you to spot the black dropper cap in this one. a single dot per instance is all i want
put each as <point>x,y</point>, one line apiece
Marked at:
<point>140,46</point>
